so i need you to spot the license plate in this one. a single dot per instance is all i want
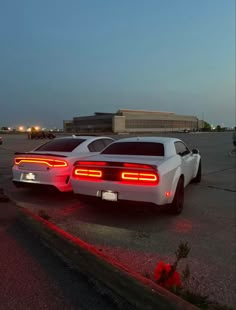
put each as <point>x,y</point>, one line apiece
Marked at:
<point>111,196</point>
<point>30,177</point>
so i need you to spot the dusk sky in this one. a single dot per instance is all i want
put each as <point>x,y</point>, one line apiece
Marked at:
<point>60,59</point>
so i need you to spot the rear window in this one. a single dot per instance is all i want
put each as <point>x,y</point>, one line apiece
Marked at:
<point>135,148</point>
<point>60,145</point>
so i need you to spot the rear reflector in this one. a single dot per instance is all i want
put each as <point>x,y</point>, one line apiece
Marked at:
<point>55,163</point>
<point>87,173</point>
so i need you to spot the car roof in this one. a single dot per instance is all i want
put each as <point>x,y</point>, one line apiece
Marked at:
<point>83,137</point>
<point>82,145</point>
<point>149,139</point>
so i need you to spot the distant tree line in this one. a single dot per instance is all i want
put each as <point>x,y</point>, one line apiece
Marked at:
<point>208,127</point>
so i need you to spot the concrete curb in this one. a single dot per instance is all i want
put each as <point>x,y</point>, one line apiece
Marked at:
<point>134,288</point>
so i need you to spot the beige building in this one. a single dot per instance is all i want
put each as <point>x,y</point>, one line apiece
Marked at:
<point>152,121</point>
<point>133,121</point>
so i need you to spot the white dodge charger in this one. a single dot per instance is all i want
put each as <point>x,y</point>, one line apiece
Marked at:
<point>51,164</point>
<point>147,169</point>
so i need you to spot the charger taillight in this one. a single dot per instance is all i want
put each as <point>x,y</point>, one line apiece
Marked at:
<point>52,163</point>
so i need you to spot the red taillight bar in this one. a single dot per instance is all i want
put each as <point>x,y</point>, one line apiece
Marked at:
<point>116,164</point>
<point>90,163</point>
<point>55,163</point>
<point>140,166</point>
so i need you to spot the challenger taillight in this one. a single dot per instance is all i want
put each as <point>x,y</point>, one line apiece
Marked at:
<point>140,177</point>
<point>52,163</point>
<point>80,173</point>
<point>90,163</point>
<point>127,173</point>
<point>137,166</point>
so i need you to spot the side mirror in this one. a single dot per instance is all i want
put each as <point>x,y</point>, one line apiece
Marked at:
<point>195,151</point>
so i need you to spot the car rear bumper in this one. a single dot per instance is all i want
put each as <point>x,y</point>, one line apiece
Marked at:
<point>152,194</point>
<point>59,181</point>
<point>39,187</point>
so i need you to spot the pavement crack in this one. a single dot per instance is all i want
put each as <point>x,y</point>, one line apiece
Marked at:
<point>220,170</point>
<point>223,189</point>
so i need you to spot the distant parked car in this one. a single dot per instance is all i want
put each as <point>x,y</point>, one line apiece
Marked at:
<point>51,163</point>
<point>0,140</point>
<point>187,130</point>
<point>234,138</point>
<point>41,135</point>
<point>147,169</point>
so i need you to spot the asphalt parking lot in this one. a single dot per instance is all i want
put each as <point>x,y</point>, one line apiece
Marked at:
<point>137,234</point>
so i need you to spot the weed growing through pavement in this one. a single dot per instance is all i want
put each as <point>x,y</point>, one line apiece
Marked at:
<point>167,276</point>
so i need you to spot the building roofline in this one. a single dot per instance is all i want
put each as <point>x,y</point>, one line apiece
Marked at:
<point>142,111</point>
<point>153,111</point>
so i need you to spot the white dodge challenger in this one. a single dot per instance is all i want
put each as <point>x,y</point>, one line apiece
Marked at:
<point>147,169</point>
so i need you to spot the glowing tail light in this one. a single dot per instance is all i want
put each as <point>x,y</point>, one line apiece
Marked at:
<point>87,173</point>
<point>137,166</point>
<point>90,163</point>
<point>52,163</point>
<point>130,173</point>
<point>140,177</point>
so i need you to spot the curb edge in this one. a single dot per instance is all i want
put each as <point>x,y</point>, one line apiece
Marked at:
<point>85,258</point>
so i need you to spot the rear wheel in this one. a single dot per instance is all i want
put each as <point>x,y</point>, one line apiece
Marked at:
<point>176,206</point>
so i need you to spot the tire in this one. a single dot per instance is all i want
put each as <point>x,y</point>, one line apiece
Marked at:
<point>176,206</point>
<point>198,177</point>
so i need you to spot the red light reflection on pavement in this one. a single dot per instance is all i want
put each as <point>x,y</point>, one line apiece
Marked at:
<point>183,226</point>
<point>69,210</point>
